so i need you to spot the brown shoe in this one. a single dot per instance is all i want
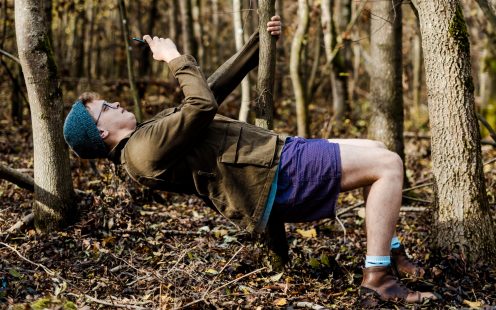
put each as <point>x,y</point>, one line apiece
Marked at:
<point>380,283</point>
<point>403,266</point>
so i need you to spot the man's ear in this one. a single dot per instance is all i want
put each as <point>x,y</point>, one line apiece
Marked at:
<point>103,133</point>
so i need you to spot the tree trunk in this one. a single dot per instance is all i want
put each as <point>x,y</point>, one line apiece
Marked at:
<point>266,67</point>
<point>189,43</point>
<point>144,64</point>
<point>488,78</point>
<point>386,123</point>
<point>417,74</point>
<point>463,222</point>
<point>489,9</point>
<point>196,14</point>
<point>130,71</point>
<point>294,66</point>
<point>339,82</point>
<point>245,84</point>
<point>54,195</point>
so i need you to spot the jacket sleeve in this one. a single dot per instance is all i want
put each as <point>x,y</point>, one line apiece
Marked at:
<point>158,144</point>
<point>230,74</point>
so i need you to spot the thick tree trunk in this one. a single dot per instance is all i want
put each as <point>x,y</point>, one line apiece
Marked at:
<point>294,67</point>
<point>266,67</point>
<point>54,194</point>
<point>463,221</point>
<point>130,70</point>
<point>386,123</point>
<point>245,84</point>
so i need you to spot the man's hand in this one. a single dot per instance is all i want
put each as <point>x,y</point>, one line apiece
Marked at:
<point>274,26</point>
<point>162,49</point>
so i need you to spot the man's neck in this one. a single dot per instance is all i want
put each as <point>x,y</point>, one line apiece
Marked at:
<point>114,139</point>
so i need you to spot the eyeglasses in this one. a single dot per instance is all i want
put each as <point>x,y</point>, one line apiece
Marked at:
<point>105,107</point>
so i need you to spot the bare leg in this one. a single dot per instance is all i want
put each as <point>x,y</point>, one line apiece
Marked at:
<point>382,171</point>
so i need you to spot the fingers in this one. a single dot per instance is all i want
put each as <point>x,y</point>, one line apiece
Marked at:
<point>147,38</point>
<point>274,26</point>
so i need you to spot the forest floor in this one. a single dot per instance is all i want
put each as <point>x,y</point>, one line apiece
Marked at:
<point>132,248</point>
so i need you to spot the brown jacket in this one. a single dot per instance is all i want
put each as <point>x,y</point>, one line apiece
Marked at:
<point>189,149</point>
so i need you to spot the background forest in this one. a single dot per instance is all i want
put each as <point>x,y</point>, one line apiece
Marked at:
<point>418,75</point>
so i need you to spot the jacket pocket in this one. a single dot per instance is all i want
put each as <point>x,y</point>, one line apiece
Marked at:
<point>247,144</point>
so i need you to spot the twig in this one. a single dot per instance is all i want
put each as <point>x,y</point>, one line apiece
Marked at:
<point>9,55</point>
<point>308,305</point>
<point>222,286</point>
<point>417,199</point>
<point>224,267</point>
<point>417,187</point>
<point>46,269</point>
<point>181,232</point>
<point>107,303</point>
<point>484,122</point>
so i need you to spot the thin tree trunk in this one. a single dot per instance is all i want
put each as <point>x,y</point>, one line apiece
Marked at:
<point>463,221</point>
<point>489,9</point>
<point>214,44</point>
<point>386,123</point>
<point>294,66</point>
<point>130,71</point>
<point>189,43</point>
<point>144,64</point>
<point>198,30</point>
<point>417,74</point>
<point>315,64</point>
<point>488,77</point>
<point>54,195</point>
<point>266,67</point>
<point>245,84</point>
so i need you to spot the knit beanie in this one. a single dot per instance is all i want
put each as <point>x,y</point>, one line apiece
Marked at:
<point>81,133</point>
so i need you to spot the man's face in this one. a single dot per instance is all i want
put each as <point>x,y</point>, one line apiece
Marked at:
<point>110,116</point>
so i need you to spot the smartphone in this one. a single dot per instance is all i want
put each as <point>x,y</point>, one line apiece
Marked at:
<point>139,40</point>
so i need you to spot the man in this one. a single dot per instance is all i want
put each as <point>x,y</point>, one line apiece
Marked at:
<point>250,175</point>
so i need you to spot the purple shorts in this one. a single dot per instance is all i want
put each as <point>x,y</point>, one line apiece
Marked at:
<point>309,180</point>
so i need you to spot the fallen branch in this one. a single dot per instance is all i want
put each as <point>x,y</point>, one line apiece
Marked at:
<point>25,221</point>
<point>20,179</point>
<point>9,55</point>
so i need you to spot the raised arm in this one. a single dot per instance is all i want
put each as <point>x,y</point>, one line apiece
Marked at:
<point>228,76</point>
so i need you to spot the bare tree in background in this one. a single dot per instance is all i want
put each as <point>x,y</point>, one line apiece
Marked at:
<point>54,195</point>
<point>130,70</point>
<point>245,84</point>
<point>294,67</point>
<point>189,42</point>
<point>463,222</point>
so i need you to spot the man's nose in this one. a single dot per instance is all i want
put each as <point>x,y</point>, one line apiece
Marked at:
<point>116,105</point>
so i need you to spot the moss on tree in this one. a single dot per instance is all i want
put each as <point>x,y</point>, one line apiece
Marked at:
<point>458,30</point>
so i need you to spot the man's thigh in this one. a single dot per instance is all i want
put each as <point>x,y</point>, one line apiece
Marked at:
<point>360,165</point>
<point>359,142</point>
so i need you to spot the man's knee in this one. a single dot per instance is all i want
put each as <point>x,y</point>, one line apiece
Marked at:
<point>392,164</point>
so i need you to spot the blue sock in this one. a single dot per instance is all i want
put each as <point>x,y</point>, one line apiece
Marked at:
<point>395,242</point>
<point>377,261</point>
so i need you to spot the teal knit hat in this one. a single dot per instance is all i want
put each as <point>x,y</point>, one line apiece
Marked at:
<point>81,133</point>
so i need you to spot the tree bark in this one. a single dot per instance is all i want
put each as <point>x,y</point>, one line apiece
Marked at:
<point>130,70</point>
<point>245,84</point>
<point>463,222</point>
<point>54,195</point>
<point>294,66</point>
<point>386,123</point>
<point>417,74</point>
<point>266,67</point>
